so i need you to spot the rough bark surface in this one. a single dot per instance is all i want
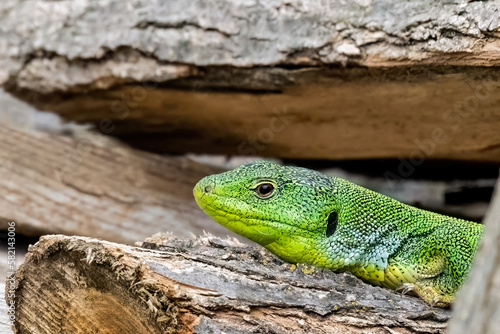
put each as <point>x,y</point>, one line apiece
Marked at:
<point>96,187</point>
<point>266,77</point>
<point>236,33</point>
<point>478,304</point>
<point>202,285</point>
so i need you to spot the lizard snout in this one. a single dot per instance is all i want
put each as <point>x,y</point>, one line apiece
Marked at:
<point>204,186</point>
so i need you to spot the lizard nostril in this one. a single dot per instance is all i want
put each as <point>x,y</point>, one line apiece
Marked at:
<point>208,189</point>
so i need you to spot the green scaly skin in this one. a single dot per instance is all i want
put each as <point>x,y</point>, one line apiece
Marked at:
<point>332,223</point>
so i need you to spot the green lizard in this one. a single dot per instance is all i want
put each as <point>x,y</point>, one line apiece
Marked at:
<point>304,216</point>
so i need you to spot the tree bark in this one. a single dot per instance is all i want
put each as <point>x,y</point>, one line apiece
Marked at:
<point>200,285</point>
<point>90,185</point>
<point>267,78</point>
<point>478,304</point>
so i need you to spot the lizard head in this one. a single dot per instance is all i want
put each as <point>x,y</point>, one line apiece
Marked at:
<point>285,209</point>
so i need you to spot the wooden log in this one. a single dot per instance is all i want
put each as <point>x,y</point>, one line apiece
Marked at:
<point>199,285</point>
<point>93,186</point>
<point>478,304</point>
<point>296,79</point>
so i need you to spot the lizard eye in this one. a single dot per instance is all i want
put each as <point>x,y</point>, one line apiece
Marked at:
<point>265,190</point>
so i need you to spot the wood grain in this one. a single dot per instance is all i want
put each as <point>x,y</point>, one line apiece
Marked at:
<point>93,186</point>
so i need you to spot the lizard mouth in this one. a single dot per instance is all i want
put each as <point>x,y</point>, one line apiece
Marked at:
<point>262,231</point>
<point>237,216</point>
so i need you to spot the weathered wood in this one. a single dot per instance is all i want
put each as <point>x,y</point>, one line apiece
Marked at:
<point>266,77</point>
<point>92,186</point>
<point>5,327</point>
<point>200,285</point>
<point>478,304</point>
<point>4,269</point>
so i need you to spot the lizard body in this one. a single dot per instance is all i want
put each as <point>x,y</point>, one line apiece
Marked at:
<point>304,216</point>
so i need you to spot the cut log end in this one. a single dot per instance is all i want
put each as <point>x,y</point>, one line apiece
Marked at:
<point>72,286</point>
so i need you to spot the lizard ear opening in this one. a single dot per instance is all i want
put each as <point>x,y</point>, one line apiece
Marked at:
<point>332,224</point>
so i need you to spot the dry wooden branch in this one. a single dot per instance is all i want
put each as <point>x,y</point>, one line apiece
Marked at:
<point>266,77</point>
<point>203,285</point>
<point>95,187</point>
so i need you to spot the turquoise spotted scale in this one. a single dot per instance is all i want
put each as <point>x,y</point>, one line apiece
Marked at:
<point>304,216</point>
